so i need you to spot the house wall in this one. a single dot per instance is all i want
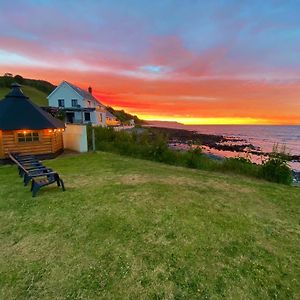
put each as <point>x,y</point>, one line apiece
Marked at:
<point>112,122</point>
<point>101,117</point>
<point>75,138</point>
<point>94,117</point>
<point>64,91</point>
<point>49,142</point>
<point>79,116</point>
<point>97,118</point>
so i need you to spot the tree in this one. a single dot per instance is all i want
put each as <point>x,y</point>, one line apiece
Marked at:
<point>19,79</point>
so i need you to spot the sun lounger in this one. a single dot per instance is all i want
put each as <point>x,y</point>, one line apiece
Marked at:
<point>32,170</point>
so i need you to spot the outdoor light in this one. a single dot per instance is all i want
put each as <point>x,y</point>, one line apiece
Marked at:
<point>50,130</point>
<point>24,131</point>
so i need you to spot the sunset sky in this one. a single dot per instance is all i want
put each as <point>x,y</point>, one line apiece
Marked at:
<point>192,61</point>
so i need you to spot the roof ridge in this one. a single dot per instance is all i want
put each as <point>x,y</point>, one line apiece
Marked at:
<point>84,93</point>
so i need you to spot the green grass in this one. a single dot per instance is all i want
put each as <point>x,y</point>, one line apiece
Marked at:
<point>134,229</point>
<point>35,95</point>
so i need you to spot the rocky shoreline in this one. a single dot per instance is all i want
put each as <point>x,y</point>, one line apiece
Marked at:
<point>217,142</point>
<point>184,139</point>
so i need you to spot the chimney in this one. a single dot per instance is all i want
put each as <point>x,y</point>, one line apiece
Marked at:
<point>90,89</point>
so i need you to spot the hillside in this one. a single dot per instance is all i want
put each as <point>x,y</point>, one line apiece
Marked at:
<point>36,90</point>
<point>134,229</point>
<point>124,117</point>
<point>41,85</point>
<point>38,97</point>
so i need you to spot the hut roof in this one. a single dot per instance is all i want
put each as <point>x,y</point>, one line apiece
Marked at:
<point>18,112</point>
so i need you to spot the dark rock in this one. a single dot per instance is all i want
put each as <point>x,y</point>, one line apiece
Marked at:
<point>296,175</point>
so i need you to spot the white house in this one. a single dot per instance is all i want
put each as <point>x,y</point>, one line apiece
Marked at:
<point>111,120</point>
<point>80,106</point>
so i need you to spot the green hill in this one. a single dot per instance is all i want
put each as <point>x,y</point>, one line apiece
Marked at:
<point>134,229</point>
<point>38,97</point>
<point>124,117</point>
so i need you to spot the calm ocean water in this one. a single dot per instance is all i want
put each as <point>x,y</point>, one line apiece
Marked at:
<point>263,136</point>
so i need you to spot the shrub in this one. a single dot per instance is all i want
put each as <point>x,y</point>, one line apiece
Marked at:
<point>152,145</point>
<point>194,159</point>
<point>276,169</point>
<point>240,165</point>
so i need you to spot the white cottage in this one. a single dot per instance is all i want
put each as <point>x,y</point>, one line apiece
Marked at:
<point>80,106</point>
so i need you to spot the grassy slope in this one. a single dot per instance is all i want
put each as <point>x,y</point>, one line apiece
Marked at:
<point>35,95</point>
<point>134,229</point>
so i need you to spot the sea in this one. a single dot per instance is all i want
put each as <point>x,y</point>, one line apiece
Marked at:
<point>264,137</point>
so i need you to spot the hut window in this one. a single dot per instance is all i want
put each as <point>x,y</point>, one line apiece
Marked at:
<point>28,137</point>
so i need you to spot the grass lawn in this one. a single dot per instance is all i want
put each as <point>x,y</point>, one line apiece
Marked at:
<point>35,95</point>
<point>134,229</point>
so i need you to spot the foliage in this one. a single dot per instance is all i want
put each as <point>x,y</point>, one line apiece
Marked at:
<point>152,145</point>
<point>19,79</point>
<point>41,85</point>
<point>240,165</point>
<point>194,159</point>
<point>56,112</point>
<point>123,116</point>
<point>275,168</point>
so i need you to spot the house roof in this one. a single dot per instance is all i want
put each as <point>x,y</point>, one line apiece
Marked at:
<point>18,112</point>
<point>110,115</point>
<point>83,93</point>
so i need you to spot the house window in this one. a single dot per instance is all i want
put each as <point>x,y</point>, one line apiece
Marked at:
<point>28,137</point>
<point>87,117</point>
<point>61,103</point>
<point>101,120</point>
<point>89,103</point>
<point>74,102</point>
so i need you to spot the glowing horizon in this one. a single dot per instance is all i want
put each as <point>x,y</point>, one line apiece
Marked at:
<point>222,62</point>
<point>209,121</point>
